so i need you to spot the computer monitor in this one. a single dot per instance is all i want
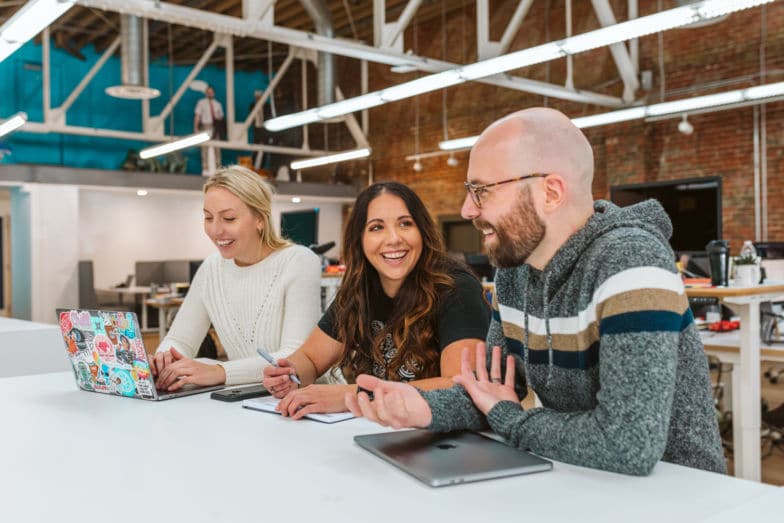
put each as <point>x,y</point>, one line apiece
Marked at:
<point>480,265</point>
<point>693,205</point>
<point>301,227</point>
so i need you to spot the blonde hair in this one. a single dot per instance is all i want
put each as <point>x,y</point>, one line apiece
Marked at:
<point>255,193</point>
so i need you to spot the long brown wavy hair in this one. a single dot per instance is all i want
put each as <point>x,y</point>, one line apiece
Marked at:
<point>412,323</point>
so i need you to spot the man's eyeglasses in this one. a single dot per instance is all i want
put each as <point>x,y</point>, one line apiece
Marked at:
<point>476,191</point>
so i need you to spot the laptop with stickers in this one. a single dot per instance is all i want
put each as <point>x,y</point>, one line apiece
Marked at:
<point>441,459</point>
<point>107,354</point>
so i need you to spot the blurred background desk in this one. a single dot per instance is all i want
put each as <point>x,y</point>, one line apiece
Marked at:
<point>745,302</point>
<point>329,288</point>
<point>136,296</point>
<point>167,307</point>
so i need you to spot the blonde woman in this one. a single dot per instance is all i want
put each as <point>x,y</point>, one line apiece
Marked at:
<point>258,291</point>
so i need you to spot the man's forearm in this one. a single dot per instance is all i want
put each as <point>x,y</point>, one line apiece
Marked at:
<point>452,409</point>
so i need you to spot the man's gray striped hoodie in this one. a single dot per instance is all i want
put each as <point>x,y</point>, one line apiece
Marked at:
<point>605,337</point>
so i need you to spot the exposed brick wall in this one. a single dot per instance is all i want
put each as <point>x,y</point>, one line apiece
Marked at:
<point>722,143</point>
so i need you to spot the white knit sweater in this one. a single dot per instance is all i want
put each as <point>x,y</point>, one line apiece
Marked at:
<point>272,305</point>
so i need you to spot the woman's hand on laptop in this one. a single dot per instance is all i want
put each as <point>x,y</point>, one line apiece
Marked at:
<point>160,361</point>
<point>181,371</point>
<point>397,405</point>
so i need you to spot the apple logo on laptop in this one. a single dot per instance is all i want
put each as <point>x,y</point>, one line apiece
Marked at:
<point>446,446</point>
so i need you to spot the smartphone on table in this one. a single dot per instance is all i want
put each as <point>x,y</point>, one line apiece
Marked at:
<point>240,393</point>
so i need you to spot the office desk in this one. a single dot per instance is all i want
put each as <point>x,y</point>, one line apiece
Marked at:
<point>137,293</point>
<point>166,306</point>
<point>72,456</point>
<point>746,375</point>
<point>329,286</point>
<point>28,347</point>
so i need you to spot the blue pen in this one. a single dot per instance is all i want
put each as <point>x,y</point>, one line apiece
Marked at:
<point>274,363</point>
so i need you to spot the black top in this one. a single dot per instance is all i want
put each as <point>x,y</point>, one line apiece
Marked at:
<point>463,313</point>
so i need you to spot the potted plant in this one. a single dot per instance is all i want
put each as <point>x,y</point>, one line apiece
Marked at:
<point>747,271</point>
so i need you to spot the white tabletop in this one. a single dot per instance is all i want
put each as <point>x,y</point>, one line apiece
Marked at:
<point>69,455</point>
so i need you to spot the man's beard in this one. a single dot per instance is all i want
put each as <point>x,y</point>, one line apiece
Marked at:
<point>517,234</point>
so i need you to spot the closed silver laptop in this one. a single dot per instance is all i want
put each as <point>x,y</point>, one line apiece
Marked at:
<point>441,459</point>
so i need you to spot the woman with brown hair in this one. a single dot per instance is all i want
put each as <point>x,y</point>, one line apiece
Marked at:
<point>404,310</point>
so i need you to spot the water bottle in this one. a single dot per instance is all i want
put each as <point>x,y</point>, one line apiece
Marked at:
<point>748,250</point>
<point>748,273</point>
<point>718,258</point>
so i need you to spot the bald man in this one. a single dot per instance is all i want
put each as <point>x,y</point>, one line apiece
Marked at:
<point>589,312</point>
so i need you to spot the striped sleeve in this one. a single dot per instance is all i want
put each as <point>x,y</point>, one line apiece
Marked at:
<point>642,299</point>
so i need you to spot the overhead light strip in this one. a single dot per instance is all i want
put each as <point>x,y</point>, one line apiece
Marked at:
<point>759,93</point>
<point>638,27</point>
<point>13,123</point>
<point>28,21</point>
<point>332,158</point>
<point>176,145</point>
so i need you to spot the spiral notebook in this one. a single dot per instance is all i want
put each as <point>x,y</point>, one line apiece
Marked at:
<point>268,404</point>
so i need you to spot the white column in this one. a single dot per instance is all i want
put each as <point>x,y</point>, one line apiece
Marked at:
<point>54,249</point>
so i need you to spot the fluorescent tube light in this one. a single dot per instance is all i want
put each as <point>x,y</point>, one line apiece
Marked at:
<point>677,107</point>
<point>716,8</point>
<point>332,158</point>
<point>351,105</point>
<point>764,91</point>
<point>516,60</point>
<point>176,145</point>
<point>662,21</point>
<point>458,143</point>
<point>28,21</point>
<point>13,123</point>
<point>624,115</point>
<point>425,84</point>
<point>613,34</point>
<point>691,104</point>
<point>293,120</point>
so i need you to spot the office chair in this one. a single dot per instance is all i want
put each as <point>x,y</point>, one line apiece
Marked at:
<point>320,250</point>
<point>723,416</point>
<point>773,428</point>
<point>770,334</point>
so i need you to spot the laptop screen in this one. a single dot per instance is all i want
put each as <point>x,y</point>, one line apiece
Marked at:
<point>107,352</point>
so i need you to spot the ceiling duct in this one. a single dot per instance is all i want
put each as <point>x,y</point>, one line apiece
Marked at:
<point>319,13</point>
<point>134,62</point>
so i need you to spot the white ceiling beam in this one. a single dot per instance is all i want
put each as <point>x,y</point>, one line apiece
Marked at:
<point>619,52</point>
<point>242,129</point>
<point>259,10</point>
<point>58,113</point>
<point>177,14</point>
<point>394,30</point>
<point>43,128</point>
<point>634,44</point>
<point>484,46</point>
<point>569,59</point>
